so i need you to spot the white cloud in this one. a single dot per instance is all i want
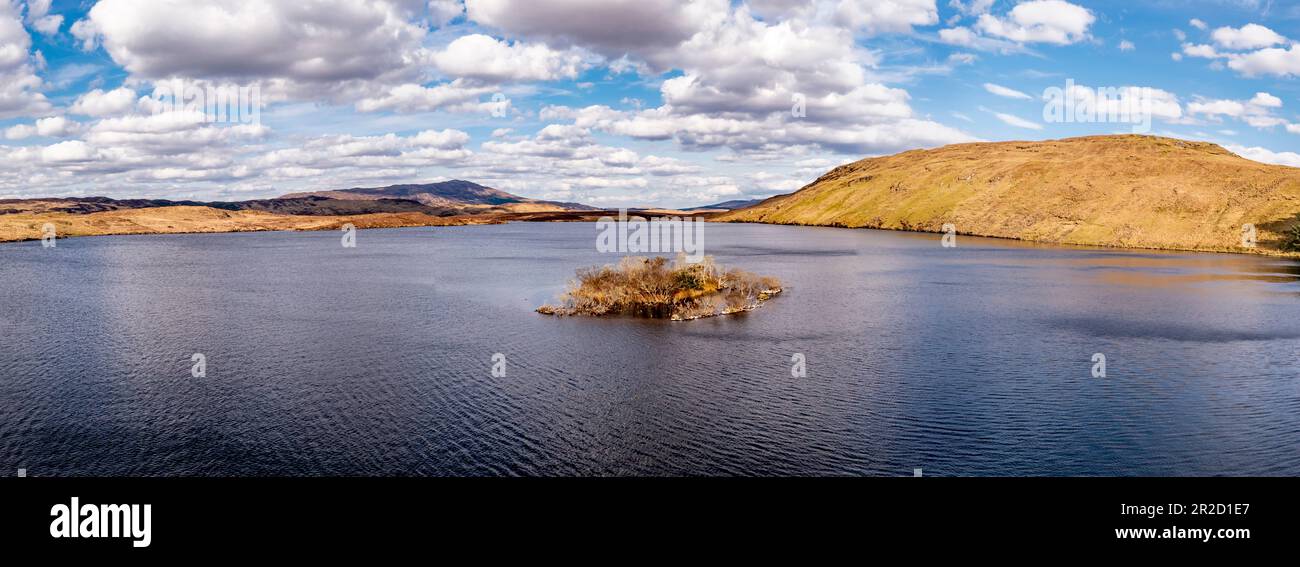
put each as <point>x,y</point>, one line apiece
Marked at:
<point>443,11</point>
<point>20,131</point>
<point>1017,121</point>
<point>326,42</point>
<point>1250,50</point>
<point>485,58</point>
<point>1256,112</point>
<point>327,153</point>
<point>1126,45</point>
<point>1122,101</point>
<point>779,9</point>
<point>49,25</point>
<point>1249,36</point>
<point>1264,121</point>
<point>1217,107</point>
<point>1006,92</point>
<point>973,7</point>
<point>140,152</point>
<point>86,34</point>
<point>881,16</point>
<point>958,36</point>
<point>1201,50</point>
<point>456,95</point>
<point>1266,100</point>
<point>1198,24</point>
<point>1040,21</point>
<point>444,139</point>
<point>57,127</point>
<point>963,58</point>
<point>19,85</point>
<point>965,37</point>
<point>168,134</point>
<point>742,77</point>
<point>101,103</point>
<point>334,151</point>
<point>1036,21</point>
<point>563,162</point>
<point>1269,61</point>
<point>37,9</point>
<point>39,17</point>
<point>734,70</point>
<point>1164,104</point>
<point>366,52</point>
<point>611,27</point>
<point>735,78</point>
<point>71,151</point>
<point>867,17</point>
<point>661,166</point>
<point>1265,155</point>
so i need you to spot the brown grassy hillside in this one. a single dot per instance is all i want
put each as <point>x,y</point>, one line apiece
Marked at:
<point>185,219</point>
<point>1129,191</point>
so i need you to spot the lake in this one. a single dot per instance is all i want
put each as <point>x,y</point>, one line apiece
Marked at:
<point>377,360</point>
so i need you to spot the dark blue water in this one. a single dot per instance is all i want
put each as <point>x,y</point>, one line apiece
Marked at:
<point>377,360</point>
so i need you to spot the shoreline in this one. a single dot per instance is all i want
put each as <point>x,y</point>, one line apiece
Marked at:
<point>26,227</point>
<point>267,222</point>
<point>1260,251</point>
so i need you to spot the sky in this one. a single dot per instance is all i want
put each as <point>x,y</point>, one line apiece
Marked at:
<point>606,102</point>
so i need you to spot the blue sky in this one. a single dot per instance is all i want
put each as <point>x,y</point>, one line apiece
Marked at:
<point>609,102</point>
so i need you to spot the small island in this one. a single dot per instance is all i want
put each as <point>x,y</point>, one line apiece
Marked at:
<point>656,288</point>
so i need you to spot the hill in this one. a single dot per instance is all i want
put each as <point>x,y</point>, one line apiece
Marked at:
<point>726,205</point>
<point>310,206</point>
<point>464,195</point>
<point>434,204</point>
<point>1126,191</point>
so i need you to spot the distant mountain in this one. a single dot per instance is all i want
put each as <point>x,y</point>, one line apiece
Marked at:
<point>306,206</point>
<point>436,199</point>
<point>1126,191</point>
<point>84,205</point>
<point>457,194</point>
<point>727,205</point>
<point>325,206</point>
<point>178,219</point>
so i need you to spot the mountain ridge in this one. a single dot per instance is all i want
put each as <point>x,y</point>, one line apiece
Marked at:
<point>726,205</point>
<point>456,193</point>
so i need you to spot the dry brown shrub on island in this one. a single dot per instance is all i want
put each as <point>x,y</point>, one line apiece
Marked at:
<point>658,288</point>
